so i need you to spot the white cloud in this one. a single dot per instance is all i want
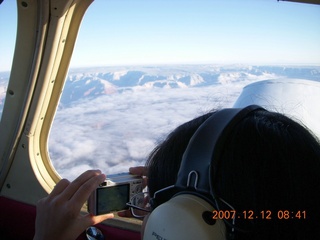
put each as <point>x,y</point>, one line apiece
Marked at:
<point>114,132</point>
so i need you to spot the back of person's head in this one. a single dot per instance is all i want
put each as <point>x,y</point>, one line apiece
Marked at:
<point>271,163</point>
<point>268,171</point>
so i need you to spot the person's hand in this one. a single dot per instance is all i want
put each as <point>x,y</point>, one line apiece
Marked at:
<point>139,171</point>
<point>59,214</point>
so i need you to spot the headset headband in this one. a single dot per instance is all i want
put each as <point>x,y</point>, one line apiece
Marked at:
<point>204,149</point>
<point>202,155</point>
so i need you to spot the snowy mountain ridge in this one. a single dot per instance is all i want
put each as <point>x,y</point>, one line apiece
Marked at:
<point>94,82</point>
<point>84,83</point>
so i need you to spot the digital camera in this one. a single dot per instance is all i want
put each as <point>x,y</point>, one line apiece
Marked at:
<point>113,194</point>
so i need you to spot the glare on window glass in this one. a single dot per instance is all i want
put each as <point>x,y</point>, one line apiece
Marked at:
<point>141,68</point>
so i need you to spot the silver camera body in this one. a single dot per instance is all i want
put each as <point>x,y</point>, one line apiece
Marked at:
<point>113,194</point>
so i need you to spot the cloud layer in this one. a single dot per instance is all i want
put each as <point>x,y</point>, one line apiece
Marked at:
<point>114,132</point>
<point>111,119</point>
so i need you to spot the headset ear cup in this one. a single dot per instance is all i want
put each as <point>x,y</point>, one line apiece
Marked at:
<point>182,218</point>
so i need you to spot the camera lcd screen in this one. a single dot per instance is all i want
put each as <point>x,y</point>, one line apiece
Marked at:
<point>111,199</point>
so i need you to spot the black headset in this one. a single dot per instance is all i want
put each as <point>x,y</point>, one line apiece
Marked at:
<point>201,158</point>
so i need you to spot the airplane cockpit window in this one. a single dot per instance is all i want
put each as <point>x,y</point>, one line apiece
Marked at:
<point>141,68</point>
<point>8,28</point>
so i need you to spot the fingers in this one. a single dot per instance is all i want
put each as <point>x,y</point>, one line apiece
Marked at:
<point>58,215</point>
<point>90,219</point>
<point>99,218</point>
<point>84,191</point>
<point>74,186</point>
<point>126,213</point>
<point>140,171</point>
<point>60,187</point>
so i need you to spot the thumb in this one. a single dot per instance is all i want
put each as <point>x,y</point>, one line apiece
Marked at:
<point>90,219</point>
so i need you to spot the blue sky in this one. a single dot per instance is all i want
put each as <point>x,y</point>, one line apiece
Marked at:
<point>122,32</point>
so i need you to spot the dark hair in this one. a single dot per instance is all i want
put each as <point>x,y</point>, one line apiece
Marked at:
<point>269,163</point>
<point>272,163</point>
